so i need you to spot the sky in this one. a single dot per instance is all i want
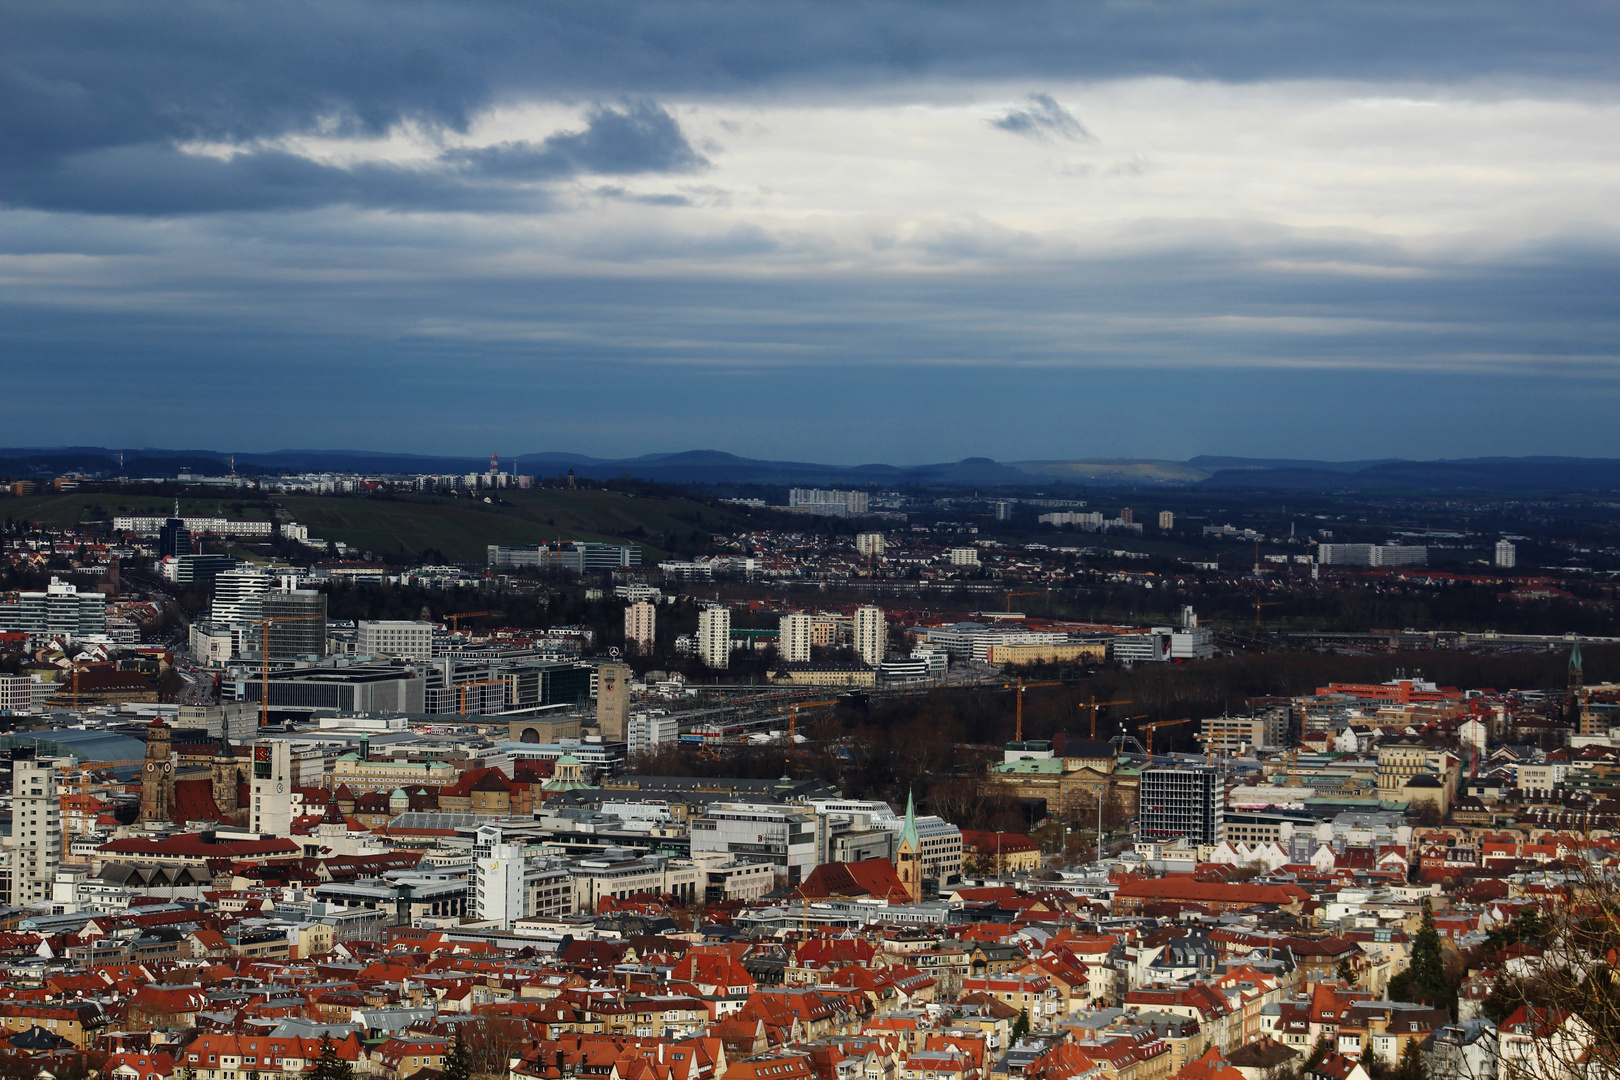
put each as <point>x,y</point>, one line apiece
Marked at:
<point>851,232</point>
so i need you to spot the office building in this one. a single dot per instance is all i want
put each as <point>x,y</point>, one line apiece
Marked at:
<point>1192,643</point>
<point>646,733</point>
<point>871,635</point>
<point>194,525</point>
<point>793,645</point>
<point>36,828</point>
<point>577,557</point>
<point>195,569</point>
<point>1507,556</point>
<point>1167,520</point>
<point>1182,801</point>
<point>237,594</point>
<point>297,627</point>
<point>964,556</point>
<point>404,639</point>
<point>498,878</point>
<point>789,837</point>
<point>714,636</point>
<point>1371,555</point>
<point>359,688</point>
<point>21,693</point>
<point>641,627</point>
<point>60,609</point>
<point>1152,647</point>
<point>870,544</point>
<point>174,538</point>
<point>828,503</point>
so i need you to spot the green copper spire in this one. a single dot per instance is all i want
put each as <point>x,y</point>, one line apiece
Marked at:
<point>910,831</point>
<point>1575,657</point>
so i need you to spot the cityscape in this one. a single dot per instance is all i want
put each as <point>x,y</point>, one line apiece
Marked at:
<point>1084,782</point>
<point>641,540</point>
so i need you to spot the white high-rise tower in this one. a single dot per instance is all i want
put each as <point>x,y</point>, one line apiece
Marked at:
<point>870,634</point>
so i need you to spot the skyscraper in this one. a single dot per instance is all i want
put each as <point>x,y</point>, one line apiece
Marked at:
<point>36,828</point>
<point>1507,556</point>
<point>1182,801</point>
<point>714,636</point>
<point>302,631</point>
<point>870,634</point>
<point>640,627</point>
<point>173,538</point>
<point>794,643</point>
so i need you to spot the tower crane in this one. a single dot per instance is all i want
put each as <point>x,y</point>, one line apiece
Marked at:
<point>1154,725</point>
<point>264,658</point>
<point>793,723</point>
<point>1093,705</point>
<point>458,616</point>
<point>1263,604</point>
<point>1019,688</point>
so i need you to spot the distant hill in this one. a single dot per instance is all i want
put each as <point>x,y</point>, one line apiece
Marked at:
<point>717,467</point>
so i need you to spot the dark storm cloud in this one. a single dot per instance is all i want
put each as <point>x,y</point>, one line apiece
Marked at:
<point>638,138</point>
<point>89,89</point>
<point>158,179</point>
<point>1042,118</point>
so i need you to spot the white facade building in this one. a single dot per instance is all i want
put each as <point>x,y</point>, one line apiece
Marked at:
<point>786,837</point>
<point>964,556</point>
<point>36,831</point>
<point>1194,643</point>
<point>272,786</point>
<point>402,638</point>
<point>714,636</point>
<point>498,878</point>
<point>870,634</point>
<point>646,733</point>
<point>870,544</point>
<point>239,596</point>
<point>794,644</point>
<point>1507,556</point>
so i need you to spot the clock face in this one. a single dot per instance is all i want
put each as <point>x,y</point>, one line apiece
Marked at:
<point>151,767</point>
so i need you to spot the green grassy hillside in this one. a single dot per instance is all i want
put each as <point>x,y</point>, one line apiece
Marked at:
<point>461,528</point>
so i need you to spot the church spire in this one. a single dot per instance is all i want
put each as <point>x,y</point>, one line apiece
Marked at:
<point>909,832</point>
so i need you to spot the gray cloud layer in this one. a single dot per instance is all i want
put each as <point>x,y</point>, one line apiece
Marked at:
<point>94,97</point>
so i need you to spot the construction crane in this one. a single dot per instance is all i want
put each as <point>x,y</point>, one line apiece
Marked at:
<point>793,722</point>
<point>264,658</point>
<point>1262,604</point>
<point>1094,705</point>
<point>1154,725</point>
<point>1031,592</point>
<point>78,666</point>
<point>461,703</point>
<point>1020,687</point>
<point>458,616</point>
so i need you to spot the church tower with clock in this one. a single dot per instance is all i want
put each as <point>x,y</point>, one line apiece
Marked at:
<point>157,776</point>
